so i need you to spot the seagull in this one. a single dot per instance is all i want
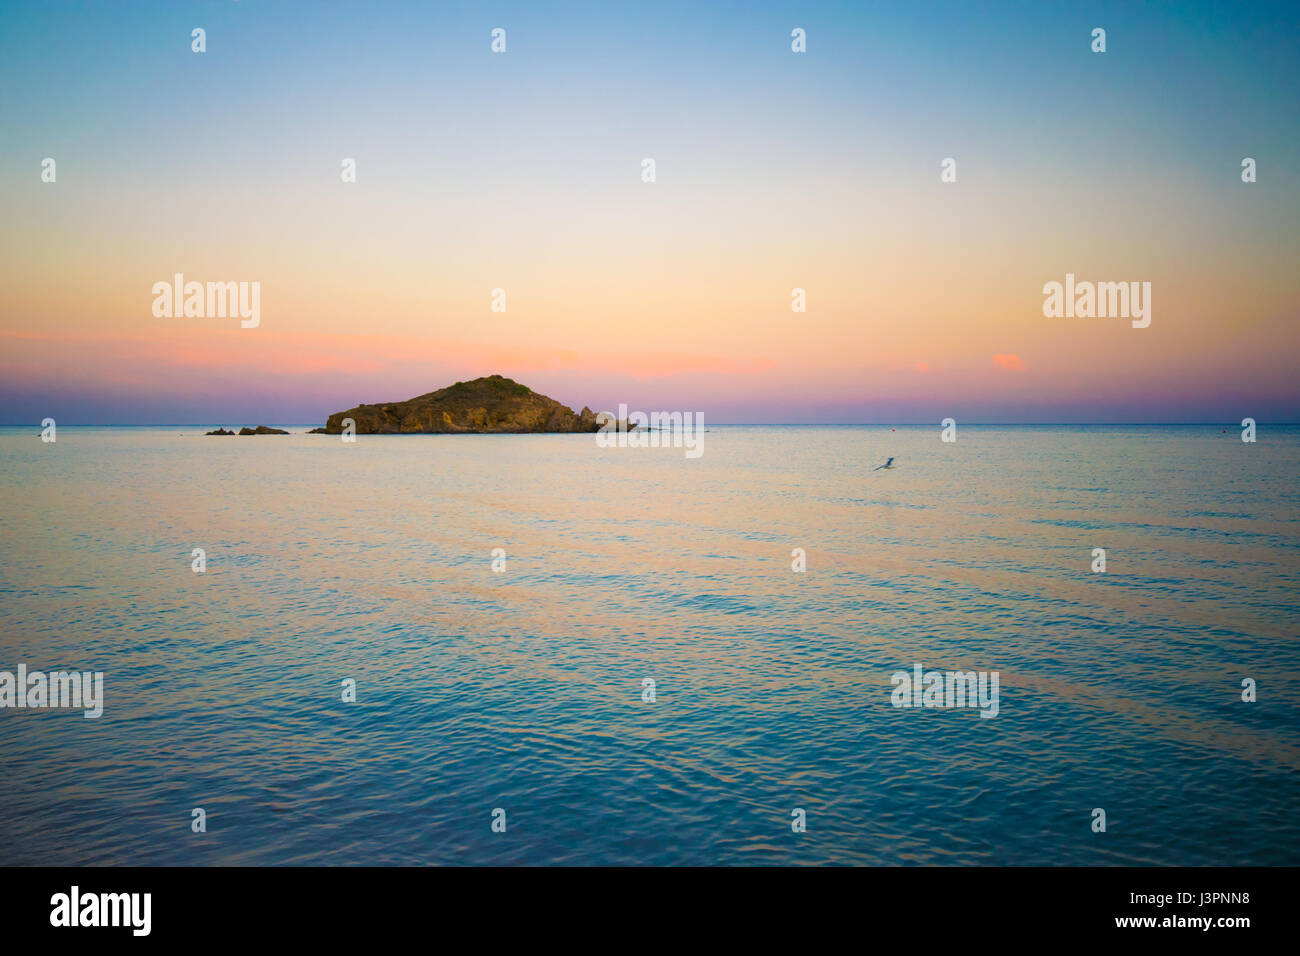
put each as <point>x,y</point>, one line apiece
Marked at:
<point>888,464</point>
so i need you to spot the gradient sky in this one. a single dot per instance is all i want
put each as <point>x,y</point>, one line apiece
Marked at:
<point>775,170</point>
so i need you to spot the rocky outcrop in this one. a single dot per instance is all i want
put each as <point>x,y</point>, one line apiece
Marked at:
<point>262,430</point>
<point>491,404</point>
<point>219,431</point>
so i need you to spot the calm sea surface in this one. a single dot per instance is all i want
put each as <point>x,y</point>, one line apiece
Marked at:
<point>523,689</point>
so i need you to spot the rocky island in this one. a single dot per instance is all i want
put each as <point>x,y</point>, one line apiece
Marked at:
<point>259,430</point>
<point>484,405</point>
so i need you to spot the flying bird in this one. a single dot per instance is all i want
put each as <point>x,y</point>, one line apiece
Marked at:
<point>888,464</point>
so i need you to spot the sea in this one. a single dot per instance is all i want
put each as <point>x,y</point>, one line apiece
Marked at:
<point>529,649</point>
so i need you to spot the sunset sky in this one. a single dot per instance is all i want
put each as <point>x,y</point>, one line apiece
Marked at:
<point>775,170</point>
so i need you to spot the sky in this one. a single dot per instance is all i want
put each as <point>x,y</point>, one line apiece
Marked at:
<point>774,170</point>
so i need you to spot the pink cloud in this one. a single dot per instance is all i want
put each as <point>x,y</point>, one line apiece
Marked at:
<point>149,360</point>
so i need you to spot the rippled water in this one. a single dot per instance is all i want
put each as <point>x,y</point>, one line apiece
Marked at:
<point>522,690</point>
